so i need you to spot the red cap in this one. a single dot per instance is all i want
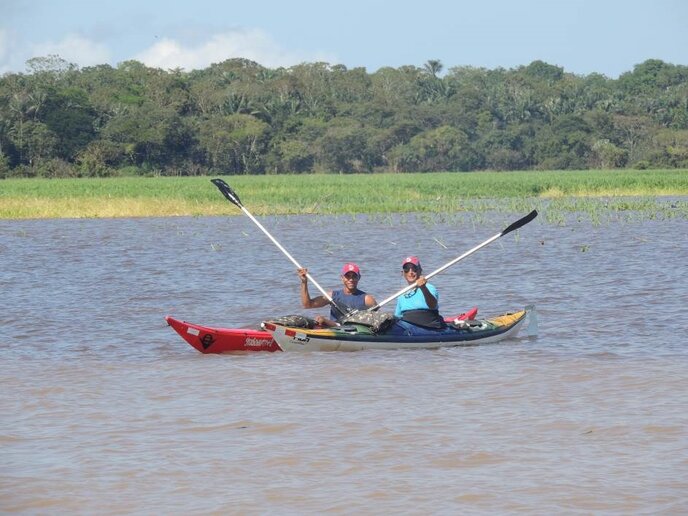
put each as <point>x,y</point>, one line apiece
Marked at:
<point>411,259</point>
<point>351,267</point>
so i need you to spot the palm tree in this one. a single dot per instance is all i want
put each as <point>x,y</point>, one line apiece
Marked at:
<point>433,67</point>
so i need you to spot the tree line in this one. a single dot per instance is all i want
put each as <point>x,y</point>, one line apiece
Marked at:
<point>238,117</point>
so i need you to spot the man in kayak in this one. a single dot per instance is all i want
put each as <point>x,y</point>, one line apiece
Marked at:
<point>417,309</point>
<point>349,298</point>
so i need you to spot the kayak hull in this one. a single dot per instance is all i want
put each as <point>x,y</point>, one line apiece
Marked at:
<point>357,337</point>
<point>222,340</point>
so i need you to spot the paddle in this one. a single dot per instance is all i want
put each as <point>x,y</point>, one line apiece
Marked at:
<point>519,223</point>
<point>232,197</point>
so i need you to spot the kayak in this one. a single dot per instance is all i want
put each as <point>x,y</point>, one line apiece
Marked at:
<point>207,339</point>
<point>357,337</point>
<point>222,340</point>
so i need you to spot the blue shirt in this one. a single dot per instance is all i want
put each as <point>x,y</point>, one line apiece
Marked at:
<point>415,300</point>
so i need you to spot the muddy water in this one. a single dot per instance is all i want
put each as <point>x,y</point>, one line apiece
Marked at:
<point>104,409</point>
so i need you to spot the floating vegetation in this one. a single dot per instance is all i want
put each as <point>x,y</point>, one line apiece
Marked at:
<point>595,196</point>
<point>440,243</point>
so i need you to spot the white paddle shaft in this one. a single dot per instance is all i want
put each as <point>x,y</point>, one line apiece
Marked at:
<point>286,253</point>
<point>435,272</point>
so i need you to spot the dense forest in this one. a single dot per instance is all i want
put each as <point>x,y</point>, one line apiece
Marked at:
<point>238,117</point>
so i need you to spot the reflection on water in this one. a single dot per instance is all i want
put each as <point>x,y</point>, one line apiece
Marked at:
<point>106,410</point>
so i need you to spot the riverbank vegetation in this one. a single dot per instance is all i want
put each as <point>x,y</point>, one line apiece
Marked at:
<point>238,117</point>
<point>339,194</point>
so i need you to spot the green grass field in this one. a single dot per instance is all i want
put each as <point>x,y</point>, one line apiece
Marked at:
<point>331,194</point>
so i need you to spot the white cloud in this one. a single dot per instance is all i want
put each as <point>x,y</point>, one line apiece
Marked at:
<point>185,52</point>
<point>253,44</point>
<point>74,49</point>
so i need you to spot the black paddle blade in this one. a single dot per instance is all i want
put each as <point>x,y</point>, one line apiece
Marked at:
<point>520,222</point>
<point>227,191</point>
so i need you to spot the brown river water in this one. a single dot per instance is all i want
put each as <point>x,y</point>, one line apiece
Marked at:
<point>105,410</point>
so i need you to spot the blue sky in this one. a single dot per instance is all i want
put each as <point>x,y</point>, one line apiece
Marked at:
<point>582,36</point>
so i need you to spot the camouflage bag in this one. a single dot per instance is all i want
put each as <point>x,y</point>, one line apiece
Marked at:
<point>378,322</point>
<point>295,321</point>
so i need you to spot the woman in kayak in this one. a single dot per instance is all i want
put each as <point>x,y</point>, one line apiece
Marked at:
<point>349,298</point>
<point>417,309</point>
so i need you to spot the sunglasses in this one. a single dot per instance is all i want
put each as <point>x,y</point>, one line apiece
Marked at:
<point>410,267</point>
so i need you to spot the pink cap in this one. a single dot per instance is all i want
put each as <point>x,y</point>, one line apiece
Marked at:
<point>351,267</point>
<point>411,259</point>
